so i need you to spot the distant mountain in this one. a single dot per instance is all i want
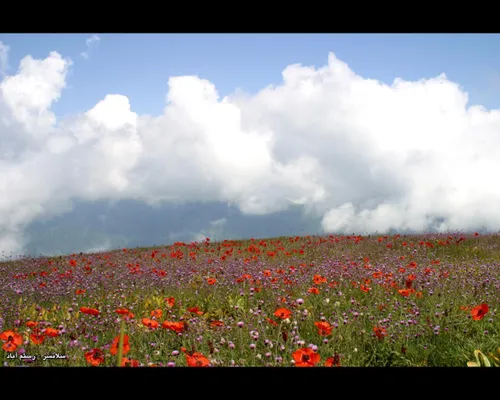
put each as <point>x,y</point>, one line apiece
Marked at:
<point>103,225</point>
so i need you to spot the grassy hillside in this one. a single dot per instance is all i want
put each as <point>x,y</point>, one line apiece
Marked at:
<point>427,300</point>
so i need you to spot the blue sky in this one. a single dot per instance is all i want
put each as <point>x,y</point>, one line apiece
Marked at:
<point>139,65</point>
<point>334,148</point>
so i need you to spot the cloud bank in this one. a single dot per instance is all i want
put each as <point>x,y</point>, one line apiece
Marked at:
<point>369,157</point>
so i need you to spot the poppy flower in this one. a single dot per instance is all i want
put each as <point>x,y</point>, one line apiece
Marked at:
<point>51,332</point>
<point>333,361</point>
<point>37,338</point>
<point>215,324</point>
<point>12,340</point>
<point>283,313</point>
<point>94,357</point>
<point>324,328</point>
<point>313,290</point>
<point>479,312</point>
<point>170,301</point>
<point>306,357</point>
<point>174,326</point>
<point>380,332</point>
<point>128,362</point>
<point>409,281</point>
<point>157,313</point>
<point>116,341</point>
<point>318,280</point>
<point>211,281</point>
<point>31,324</point>
<point>150,323</point>
<point>197,360</point>
<point>364,288</point>
<point>195,310</point>
<point>89,311</point>
<point>126,313</point>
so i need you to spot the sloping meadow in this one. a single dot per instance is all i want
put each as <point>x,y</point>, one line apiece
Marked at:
<point>427,300</point>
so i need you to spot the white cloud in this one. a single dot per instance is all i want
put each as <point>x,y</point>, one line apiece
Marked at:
<point>370,157</point>
<point>218,222</point>
<point>98,249</point>
<point>91,42</point>
<point>4,58</point>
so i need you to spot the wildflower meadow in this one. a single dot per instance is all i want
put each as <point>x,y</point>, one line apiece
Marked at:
<point>322,301</point>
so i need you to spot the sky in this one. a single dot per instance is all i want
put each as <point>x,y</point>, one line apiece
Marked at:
<point>363,133</point>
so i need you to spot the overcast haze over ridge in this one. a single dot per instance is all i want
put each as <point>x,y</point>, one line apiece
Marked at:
<point>124,140</point>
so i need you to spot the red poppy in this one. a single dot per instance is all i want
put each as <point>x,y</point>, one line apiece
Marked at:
<point>116,341</point>
<point>89,311</point>
<point>211,281</point>
<point>195,310</point>
<point>128,362</point>
<point>364,288</point>
<point>170,301</point>
<point>283,313</point>
<point>333,361</point>
<point>51,332</point>
<point>150,323</point>
<point>318,280</point>
<point>324,328</point>
<point>174,326</point>
<point>409,281</point>
<point>306,357</point>
<point>479,312</point>
<point>95,357</point>
<point>37,338</point>
<point>380,332</point>
<point>313,290</point>
<point>12,340</point>
<point>157,313</point>
<point>197,360</point>
<point>126,313</point>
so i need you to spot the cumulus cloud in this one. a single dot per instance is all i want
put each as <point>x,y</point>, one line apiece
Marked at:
<point>91,42</point>
<point>367,156</point>
<point>4,57</point>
